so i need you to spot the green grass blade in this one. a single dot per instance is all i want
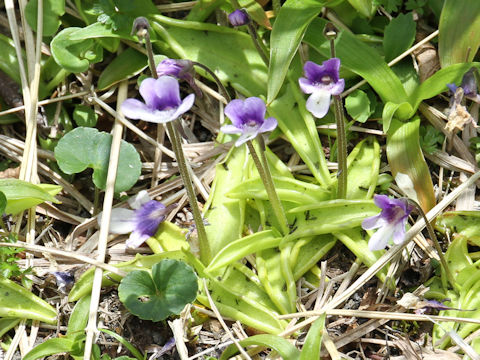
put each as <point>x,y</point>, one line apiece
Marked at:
<point>313,341</point>
<point>287,33</point>
<point>458,40</point>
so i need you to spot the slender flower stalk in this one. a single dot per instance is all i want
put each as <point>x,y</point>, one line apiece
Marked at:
<point>241,17</point>
<point>265,175</point>
<point>248,120</point>
<point>432,235</point>
<point>331,34</point>
<point>323,83</point>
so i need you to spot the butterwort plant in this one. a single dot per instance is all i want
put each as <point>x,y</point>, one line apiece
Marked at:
<point>248,120</point>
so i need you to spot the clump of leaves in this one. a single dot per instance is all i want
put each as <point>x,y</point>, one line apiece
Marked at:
<point>430,139</point>
<point>9,267</point>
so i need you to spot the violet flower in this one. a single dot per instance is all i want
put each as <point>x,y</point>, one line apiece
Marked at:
<point>142,222</point>
<point>390,222</point>
<point>181,69</point>
<point>322,81</point>
<point>64,280</point>
<point>469,86</point>
<point>239,17</point>
<point>248,119</point>
<point>162,101</point>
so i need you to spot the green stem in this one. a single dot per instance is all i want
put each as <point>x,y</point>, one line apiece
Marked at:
<point>276,6</point>
<point>205,252</point>
<point>331,33</point>
<point>215,78</point>
<point>261,51</point>
<point>341,148</point>
<point>266,177</point>
<point>151,60</point>
<point>432,235</point>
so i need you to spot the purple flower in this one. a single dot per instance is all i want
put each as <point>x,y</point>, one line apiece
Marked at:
<point>181,69</point>
<point>162,101</point>
<point>142,222</point>
<point>390,222</point>
<point>322,81</point>
<point>239,17</point>
<point>248,119</point>
<point>469,86</point>
<point>64,280</point>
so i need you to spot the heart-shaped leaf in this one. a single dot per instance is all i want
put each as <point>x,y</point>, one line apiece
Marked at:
<point>171,285</point>
<point>86,147</point>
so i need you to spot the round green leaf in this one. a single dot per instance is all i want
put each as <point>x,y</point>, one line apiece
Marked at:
<point>86,147</point>
<point>358,106</point>
<point>165,292</point>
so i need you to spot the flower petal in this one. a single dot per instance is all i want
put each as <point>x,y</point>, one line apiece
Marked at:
<point>318,103</point>
<point>147,90</point>
<point>337,88</point>
<point>135,109</point>
<point>372,222</point>
<point>140,199</point>
<point>234,111</point>
<point>313,71</point>
<point>148,217</point>
<point>167,90</point>
<point>245,137</point>
<point>230,129</point>
<point>382,201</point>
<point>268,125</point>
<point>380,239</point>
<point>452,88</point>
<point>399,232</point>
<point>254,109</point>
<point>136,239</point>
<point>307,86</point>
<point>186,105</point>
<point>121,221</point>
<point>331,67</point>
<point>242,111</point>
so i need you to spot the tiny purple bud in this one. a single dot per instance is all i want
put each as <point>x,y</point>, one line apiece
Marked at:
<point>140,27</point>
<point>239,17</point>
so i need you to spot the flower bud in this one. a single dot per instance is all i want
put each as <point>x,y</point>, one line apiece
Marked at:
<point>239,17</point>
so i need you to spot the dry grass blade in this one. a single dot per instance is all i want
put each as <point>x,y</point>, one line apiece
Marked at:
<point>380,315</point>
<point>224,326</point>
<point>104,226</point>
<point>65,254</point>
